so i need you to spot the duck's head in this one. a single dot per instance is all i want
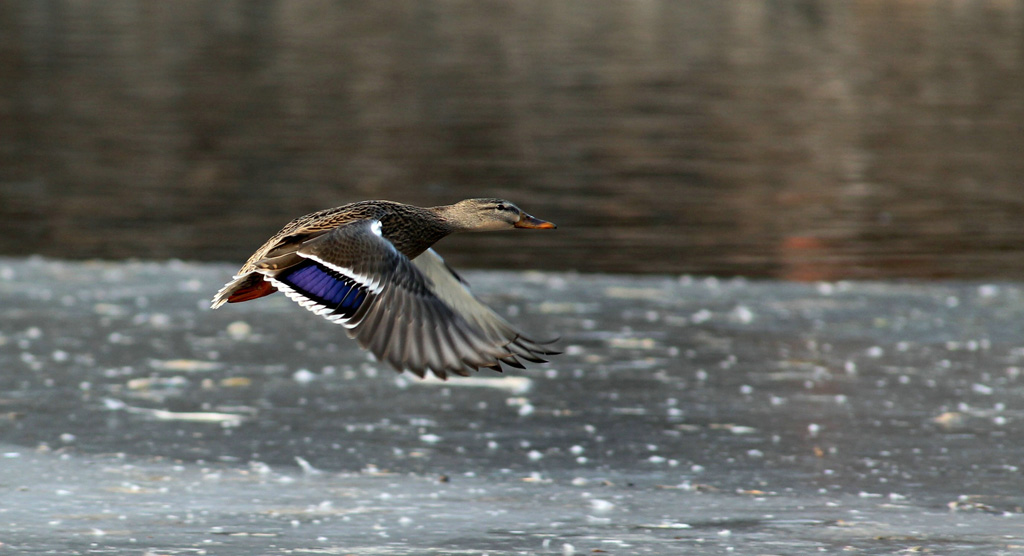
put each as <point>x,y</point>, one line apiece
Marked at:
<point>482,215</point>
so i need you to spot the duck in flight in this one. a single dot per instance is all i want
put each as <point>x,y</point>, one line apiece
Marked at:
<point>369,266</point>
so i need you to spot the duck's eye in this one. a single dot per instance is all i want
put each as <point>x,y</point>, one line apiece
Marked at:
<point>502,207</point>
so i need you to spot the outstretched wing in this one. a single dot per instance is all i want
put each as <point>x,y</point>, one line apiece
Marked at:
<point>453,291</point>
<point>415,315</point>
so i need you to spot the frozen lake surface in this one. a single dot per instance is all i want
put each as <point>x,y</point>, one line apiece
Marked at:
<point>687,416</point>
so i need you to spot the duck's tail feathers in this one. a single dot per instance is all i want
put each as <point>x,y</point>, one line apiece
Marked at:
<point>243,288</point>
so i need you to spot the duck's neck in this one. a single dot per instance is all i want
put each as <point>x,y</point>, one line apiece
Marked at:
<point>448,217</point>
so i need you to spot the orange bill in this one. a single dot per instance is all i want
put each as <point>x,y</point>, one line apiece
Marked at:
<point>527,221</point>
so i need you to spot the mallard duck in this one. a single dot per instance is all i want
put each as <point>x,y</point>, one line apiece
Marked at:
<point>369,266</point>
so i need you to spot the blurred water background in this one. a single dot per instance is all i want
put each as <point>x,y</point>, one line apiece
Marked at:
<point>801,140</point>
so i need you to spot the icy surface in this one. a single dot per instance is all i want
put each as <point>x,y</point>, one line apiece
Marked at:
<point>688,415</point>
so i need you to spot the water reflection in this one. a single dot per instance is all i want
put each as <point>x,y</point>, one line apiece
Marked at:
<point>805,140</point>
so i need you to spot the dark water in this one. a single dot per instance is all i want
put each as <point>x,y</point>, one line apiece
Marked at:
<point>801,140</point>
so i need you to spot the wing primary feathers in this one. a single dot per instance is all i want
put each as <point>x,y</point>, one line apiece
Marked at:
<point>429,323</point>
<point>387,353</point>
<point>449,356</point>
<point>472,353</point>
<point>411,351</point>
<point>511,361</point>
<point>382,338</point>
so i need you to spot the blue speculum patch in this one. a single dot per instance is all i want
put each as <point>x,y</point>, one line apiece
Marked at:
<point>325,286</point>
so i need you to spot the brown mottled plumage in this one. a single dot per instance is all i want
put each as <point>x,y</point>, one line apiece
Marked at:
<point>369,267</point>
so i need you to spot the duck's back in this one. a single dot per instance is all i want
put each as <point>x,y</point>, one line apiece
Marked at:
<point>412,230</point>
